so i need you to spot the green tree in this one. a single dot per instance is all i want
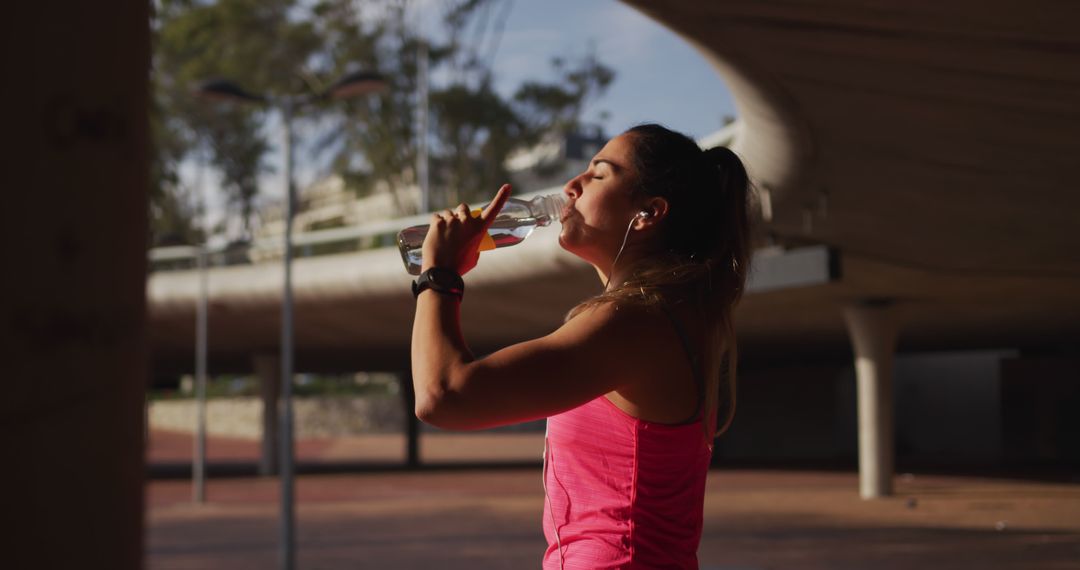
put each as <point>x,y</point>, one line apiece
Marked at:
<point>280,47</point>
<point>256,43</point>
<point>172,208</point>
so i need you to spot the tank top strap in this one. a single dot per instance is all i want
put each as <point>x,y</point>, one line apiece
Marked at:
<point>698,380</point>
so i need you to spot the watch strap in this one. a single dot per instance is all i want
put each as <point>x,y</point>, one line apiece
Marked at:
<point>440,280</point>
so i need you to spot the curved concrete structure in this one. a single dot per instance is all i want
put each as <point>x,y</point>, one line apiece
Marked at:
<point>933,143</point>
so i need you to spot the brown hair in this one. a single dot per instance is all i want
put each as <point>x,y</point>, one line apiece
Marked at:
<point>703,252</point>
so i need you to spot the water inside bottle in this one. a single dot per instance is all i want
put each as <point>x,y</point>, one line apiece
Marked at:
<point>505,231</point>
<point>515,222</point>
<point>409,242</point>
<point>511,231</point>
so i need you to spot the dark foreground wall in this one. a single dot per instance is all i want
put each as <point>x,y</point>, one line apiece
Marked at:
<point>966,410</point>
<point>73,225</point>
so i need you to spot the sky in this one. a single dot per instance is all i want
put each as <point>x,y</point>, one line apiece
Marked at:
<point>658,76</point>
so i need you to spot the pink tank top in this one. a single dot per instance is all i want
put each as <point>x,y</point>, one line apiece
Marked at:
<point>623,492</point>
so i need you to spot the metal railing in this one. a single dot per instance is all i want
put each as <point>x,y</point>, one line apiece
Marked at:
<point>368,235</point>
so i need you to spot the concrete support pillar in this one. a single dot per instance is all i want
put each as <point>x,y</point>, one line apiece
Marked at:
<point>268,370</point>
<point>412,423</point>
<point>72,316</point>
<point>872,327</point>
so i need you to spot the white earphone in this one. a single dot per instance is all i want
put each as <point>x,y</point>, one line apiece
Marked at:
<point>642,215</point>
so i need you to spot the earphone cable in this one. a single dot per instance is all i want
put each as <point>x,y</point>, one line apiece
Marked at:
<point>621,248</point>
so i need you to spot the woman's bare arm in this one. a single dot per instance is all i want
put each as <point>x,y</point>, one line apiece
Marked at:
<point>598,351</point>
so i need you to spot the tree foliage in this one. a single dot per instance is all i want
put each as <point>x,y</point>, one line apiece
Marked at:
<point>284,47</point>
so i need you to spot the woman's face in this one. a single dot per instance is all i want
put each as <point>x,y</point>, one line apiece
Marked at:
<point>601,204</point>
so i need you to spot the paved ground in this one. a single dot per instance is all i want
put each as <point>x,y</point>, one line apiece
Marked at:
<point>438,447</point>
<point>451,519</point>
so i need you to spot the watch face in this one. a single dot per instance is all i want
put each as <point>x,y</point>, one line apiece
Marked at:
<point>444,279</point>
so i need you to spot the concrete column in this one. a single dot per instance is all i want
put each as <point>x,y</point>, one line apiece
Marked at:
<point>268,370</point>
<point>412,423</point>
<point>872,327</point>
<point>72,316</point>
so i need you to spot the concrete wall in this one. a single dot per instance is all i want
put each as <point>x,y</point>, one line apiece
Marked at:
<point>949,410</point>
<point>73,226</point>
<point>1041,423</point>
<point>802,412</point>
<point>949,406</point>
<point>313,417</point>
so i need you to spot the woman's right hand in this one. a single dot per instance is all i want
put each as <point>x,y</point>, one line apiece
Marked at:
<point>453,240</point>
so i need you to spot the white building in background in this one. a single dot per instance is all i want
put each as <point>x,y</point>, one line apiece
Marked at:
<point>553,161</point>
<point>327,204</point>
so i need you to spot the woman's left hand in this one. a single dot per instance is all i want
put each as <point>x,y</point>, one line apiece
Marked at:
<point>453,240</point>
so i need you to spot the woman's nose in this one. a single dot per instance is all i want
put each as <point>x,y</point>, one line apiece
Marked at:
<point>573,187</point>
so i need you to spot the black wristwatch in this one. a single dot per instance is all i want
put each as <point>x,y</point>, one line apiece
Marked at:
<point>440,280</point>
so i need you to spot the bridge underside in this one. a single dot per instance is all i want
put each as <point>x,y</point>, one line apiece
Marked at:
<point>338,330</point>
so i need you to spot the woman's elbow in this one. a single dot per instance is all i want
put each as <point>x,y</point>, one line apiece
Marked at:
<point>436,409</point>
<point>439,402</point>
<point>444,411</point>
<point>427,409</point>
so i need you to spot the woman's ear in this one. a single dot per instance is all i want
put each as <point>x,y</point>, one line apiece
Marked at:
<point>654,210</point>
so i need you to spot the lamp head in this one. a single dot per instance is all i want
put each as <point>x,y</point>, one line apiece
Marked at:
<point>356,84</point>
<point>225,90</point>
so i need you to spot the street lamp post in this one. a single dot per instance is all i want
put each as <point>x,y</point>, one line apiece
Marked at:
<point>199,467</point>
<point>288,503</point>
<point>351,85</point>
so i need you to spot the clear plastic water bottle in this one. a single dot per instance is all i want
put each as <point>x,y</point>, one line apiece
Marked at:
<point>517,219</point>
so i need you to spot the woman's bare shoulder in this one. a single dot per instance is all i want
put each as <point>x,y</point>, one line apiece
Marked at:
<point>611,316</point>
<point>635,340</point>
